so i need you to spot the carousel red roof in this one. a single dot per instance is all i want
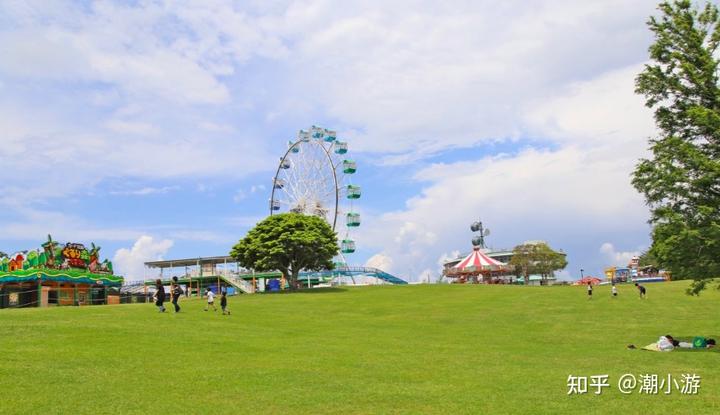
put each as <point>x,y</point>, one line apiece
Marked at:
<point>588,279</point>
<point>478,261</point>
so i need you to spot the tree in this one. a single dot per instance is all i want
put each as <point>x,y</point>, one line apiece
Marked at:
<point>648,259</point>
<point>681,181</point>
<point>536,258</point>
<point>289,243</point>
<point>3,255</point>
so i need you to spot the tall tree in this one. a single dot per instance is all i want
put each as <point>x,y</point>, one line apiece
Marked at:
<point>648,259</point>
<point>536,258</point>
<point>289,243</point>
<point>681,181</point>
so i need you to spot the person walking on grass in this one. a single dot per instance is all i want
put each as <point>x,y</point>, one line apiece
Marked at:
<point>589,291</point>
<point>159,295</point>
<point>643,293</point>
<point>177,292</point>
<point>210,299</point>
<point>614,290</point>
<point>223,302</point>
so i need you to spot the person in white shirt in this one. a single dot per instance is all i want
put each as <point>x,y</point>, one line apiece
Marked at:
<point>589,291</point>
<point>210,299</point>
<point>614,290</point>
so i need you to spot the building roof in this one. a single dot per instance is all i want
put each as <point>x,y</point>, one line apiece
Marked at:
<point>71,275</point>
<point>189,262</point>
<point>490,253</point>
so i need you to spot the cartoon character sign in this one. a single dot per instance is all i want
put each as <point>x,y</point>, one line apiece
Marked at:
<point>54,255</point>
<point>50,250</point>
<point>16,262</point>
<point>75,255</point>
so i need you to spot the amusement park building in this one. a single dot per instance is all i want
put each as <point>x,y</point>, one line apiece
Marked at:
<point>57,274</point>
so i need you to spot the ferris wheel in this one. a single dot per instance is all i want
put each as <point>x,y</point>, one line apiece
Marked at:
<point>314,178</point>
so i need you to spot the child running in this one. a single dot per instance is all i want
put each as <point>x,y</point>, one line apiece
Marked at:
<point>159,295</point>
<point>223,302</point>
<point>614,290</point>
<point>589,291</point>
<point>210,298</point>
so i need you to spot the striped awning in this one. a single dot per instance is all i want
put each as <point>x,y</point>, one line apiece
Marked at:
<point>478,261</point>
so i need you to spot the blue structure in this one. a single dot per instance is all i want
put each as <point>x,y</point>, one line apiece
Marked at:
<point>353,272</point>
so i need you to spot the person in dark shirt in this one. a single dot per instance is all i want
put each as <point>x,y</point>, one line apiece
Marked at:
<point>159,295</point>
<point>176,293</point>
<point>223,302</point>
<point>643,293</point>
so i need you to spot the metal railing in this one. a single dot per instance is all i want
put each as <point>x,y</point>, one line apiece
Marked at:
<point>239,283</point>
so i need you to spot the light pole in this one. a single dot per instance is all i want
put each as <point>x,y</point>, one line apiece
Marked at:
<point>479,239</point>
<point>581,273</point>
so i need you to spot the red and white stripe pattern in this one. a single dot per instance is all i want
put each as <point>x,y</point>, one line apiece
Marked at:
<point>478,261</point>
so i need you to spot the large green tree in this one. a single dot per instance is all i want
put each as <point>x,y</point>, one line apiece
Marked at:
<point>681,180</point>
<point>536,258</point>
<point>289,243</point>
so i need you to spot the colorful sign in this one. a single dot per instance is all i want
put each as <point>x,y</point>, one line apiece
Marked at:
<point>55,256</point>
<point>74,254</point>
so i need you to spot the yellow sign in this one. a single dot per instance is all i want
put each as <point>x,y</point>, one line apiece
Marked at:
<point>610,273</point>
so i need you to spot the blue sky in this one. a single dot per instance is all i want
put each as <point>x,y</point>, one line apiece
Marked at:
<point>154,128</point>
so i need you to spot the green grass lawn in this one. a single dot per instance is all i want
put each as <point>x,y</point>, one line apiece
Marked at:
<point>384,349</point>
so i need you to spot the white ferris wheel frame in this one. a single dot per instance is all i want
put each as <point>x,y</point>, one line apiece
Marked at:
<point>314,183</point>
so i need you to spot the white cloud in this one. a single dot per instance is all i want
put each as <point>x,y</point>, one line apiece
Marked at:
<point>129,262</point>
<point>35,224</point>
<point>243,221</point>
<point>146,191</point>
<point>427,276</point>
<point>401,88</point>
<point>201,236</point>
<point>598,112</point>
<point>239,196</point>
<point>617,258</point>
<point>380,261</point>
<point>124,90</point>
<point>131,127</point>
<point>565,275</point>
<point>214,127</point>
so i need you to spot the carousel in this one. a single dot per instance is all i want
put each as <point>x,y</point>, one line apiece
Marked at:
<point>477,267</point>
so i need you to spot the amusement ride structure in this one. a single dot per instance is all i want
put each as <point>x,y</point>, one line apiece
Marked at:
<point>314,177</point>
<point>477,266</point>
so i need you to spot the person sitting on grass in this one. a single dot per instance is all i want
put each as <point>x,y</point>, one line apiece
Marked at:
<point>210,299</point>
